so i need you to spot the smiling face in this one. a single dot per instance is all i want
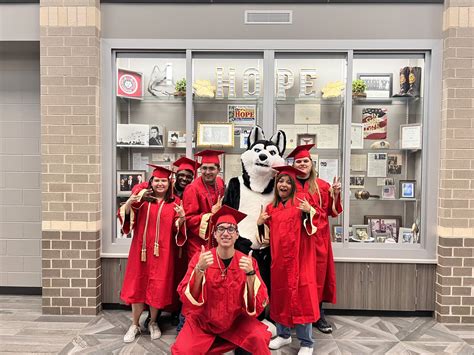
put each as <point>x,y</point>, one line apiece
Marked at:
<point>209,173</point>
<point>160,186</point>
<point>285,187</point>
<point>305,165</point>
<point>226,234</point>
<point>184,178</point>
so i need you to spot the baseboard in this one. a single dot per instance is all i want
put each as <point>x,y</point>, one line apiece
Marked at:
<point>372,313</point>
<point>14,290</point>
<point>115,306</point>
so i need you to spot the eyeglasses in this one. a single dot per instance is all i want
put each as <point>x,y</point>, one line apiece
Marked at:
<point>221,229</point>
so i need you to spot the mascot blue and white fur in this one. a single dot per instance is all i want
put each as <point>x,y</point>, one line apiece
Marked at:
<point>253,190</point>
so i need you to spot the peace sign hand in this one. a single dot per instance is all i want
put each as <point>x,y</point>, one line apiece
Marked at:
<point>304,205</point>
<point>336,185</point>
<point>218,205</point>
<point>179,209</point>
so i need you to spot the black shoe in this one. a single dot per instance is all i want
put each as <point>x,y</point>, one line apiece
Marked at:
<point>323,326</point>
<point>174,319</point>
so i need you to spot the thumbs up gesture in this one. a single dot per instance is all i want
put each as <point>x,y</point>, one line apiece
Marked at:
<point>245,263</point>
<point>205,259</point>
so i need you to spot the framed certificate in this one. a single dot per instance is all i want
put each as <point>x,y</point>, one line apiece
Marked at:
<point>357,136</point>
<point>410,136</point>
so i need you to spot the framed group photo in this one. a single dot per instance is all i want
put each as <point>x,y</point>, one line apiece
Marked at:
<point>127,179</point>
<point>215,134</point>
<point>385,226</point>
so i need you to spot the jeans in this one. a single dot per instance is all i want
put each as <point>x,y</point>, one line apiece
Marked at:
<point>304,332</point>
<point>181,322</point>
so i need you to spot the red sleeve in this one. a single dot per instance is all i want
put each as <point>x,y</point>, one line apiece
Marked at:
<point>192,209</point>
<point>187,284</point>
<point>335,205</point>
<point>260,293</point>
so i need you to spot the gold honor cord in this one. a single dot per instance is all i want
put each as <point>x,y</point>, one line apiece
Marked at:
<point>156,249</point>
<point>144,234</point>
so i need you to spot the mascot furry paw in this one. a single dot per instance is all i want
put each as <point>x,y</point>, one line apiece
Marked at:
<point>254,189</point>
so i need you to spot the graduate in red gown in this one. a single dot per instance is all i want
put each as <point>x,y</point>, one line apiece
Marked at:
<point>202,198</point>
<point>292,223</point>
<point>328,198</point>
<point>184,174</point>
<point>224,292</point>
<point>156,217</point>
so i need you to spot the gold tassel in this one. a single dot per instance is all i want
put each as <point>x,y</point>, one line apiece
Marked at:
<point>143,254</point>
<point>156,250</point>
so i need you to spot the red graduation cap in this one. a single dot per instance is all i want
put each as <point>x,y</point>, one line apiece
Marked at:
<point>301,151</point>
<point>160,172</point>
<point>227,214</point>
<point>288,170</point>
<point>186,164</point>
<point>209,156</point>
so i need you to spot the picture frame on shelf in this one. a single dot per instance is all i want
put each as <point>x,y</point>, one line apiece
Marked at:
<point>357,136</point>
<point>410,136</point>
<point>338,233</point>
<point>306,138</point>
<point>357,181</point>
<point>407,189</point>
<point>382,237</point>
<point>388,192</point>
<point>384,224</point>
<point>379,85</point>
<point>219,134</point>
<point>394,164</point>
<point>176,139</point>
<point>242,115</point>
<point>405,236</point>
<point>127,179</point>
<point>163,157</point>
<point>361,234</point>
<point>133,135</point>
<point>157,133</point>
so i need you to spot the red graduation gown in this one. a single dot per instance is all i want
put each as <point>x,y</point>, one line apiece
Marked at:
<point>221,310</point>
<point>293,272</point>
<point>325,260</point>
<point>198,200</point>
<point>151,281</point>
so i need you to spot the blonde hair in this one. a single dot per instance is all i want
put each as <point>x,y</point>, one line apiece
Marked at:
<point>312,181</point>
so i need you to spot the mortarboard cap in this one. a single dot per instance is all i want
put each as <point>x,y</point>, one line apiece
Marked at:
<point>288,170</point>
<point>209,156</point>
<point>186,164</point>
<point>160,172</point>
<point>301,151</point>
<point>227,214</point>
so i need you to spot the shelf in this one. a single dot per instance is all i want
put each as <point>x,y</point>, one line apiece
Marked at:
<point>226,100</point>
<point>386,199</point>
<point>156,100</point>
<point>310,101</point>
<point>386,100</point>
<point>148,147</point>
<point>385,150</point>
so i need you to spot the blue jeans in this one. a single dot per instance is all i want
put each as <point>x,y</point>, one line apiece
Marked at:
<point>181,322</point>
<point>304,332</point>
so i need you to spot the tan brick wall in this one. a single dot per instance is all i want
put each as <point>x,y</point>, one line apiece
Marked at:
<point>70,133</point>
<point>455,278</point>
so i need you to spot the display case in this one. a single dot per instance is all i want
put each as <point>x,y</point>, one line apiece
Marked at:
<point>381,144</point>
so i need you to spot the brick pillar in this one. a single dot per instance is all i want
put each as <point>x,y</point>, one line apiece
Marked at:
<point>70,143</point>
<point>454,279</point>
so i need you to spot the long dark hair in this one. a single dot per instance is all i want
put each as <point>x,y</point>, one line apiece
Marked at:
<point>168,198</point>
<point>276,198</point>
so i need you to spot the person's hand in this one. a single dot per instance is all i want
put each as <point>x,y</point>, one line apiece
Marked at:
<point>304,205</point>
<point>218,205</point>
<point>148,195</point>
<point>264,216</point>
<point>132,199</point>
<point>179,210</point>
<point>205,259</point>
<point>336,185</point>
<point>245,262</point>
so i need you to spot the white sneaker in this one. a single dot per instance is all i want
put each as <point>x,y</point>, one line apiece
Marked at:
<point>278,342</point>
<point>155,332</point>
<point>270,327</point>
<point>304,350</point>
<point>131,333</point>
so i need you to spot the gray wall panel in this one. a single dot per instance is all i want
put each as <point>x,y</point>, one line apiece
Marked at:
<point>19,22</point>
<point>320,21</point>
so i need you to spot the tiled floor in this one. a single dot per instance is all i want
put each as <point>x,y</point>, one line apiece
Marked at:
<point>24,330</point>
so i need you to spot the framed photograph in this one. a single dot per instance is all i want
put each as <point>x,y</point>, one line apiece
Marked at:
<point>215,134</point>
<point>378,85</point>
<point>357,136</point>
<point>242,114</point>
<point>405,236</point>
<point>384,224</point>
<point>388,192</point>
<point>129,84</point>
<point>133,135</point>
<point>407,189</point>
<point>410,136</point>
<point>244,137</point>
<point>306,138</point>
<point>163,157</point>
<point>176,139</point>
<point>127,179</point>
<point>394,164</point>
<point>361,234</point>
<point>338,233</point>
<point>156,136</point>
<point>357,181</point>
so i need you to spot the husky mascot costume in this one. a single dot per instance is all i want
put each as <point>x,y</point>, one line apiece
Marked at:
<point>253,191</point>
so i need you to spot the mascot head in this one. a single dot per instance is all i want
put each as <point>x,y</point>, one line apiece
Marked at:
<point>260,156</point>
